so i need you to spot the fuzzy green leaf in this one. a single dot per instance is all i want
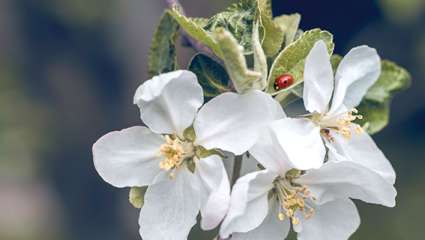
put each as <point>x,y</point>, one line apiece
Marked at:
<point>238,19</point>
<point>162,55</point>
<point>266,7</point>
<point>375,115</point>
<point>234,60</point>
<point>375,106</point>
<point>289,25</point>
<point>202,22</point>
<point>194,28</point>
<point>291,59</point>
<point>298,34</point>
<point>260,59</point>
<point>273,33</point>
<point>393,79</point>
<point>211,75</point>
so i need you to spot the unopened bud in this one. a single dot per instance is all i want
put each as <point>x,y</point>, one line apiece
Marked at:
<point>136,196</point>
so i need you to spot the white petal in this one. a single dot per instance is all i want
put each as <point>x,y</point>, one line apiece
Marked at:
<point>347,179</point>
<point>232,122</point>
<point>168,103</point>
<point>361,149</point>
<point>215,187</point>
<point>358,71</point>
<point>301,141</point>
<point>129,157</point>
<point>170,207</point>
<point>249,203</point>
<point>318,79</point>
<point>268,151</point>
<point>271,228</point>
<point>336,220</point>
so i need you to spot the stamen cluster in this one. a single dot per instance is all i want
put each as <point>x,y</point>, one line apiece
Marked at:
<point>345,122</point>
<point>342,124</point>
<point>293,197</point>
<point>175,152</point>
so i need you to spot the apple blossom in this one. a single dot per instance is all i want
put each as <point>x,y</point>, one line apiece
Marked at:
<point>331,102</point>
<point>316,201</point>
<point>178,155</point>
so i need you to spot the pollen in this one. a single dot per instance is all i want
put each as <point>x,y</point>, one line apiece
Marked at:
<point>344,123</point>
<point>341,124</point>
<point>174,151</point>
<point>281,216</point>
<point>293,198</point>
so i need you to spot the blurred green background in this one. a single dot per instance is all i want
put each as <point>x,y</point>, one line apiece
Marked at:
<point>68,71</point>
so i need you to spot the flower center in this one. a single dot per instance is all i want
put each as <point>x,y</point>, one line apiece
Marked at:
<point>341,123</point>
<point>292,197</point>
<point>175,151</point>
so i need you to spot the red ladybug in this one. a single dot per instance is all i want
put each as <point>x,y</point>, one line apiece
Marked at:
<point>283,81</point>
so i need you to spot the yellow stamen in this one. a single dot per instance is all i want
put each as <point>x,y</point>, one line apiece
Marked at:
<point>293,198</point>
<point>295,220</point>
<point>281,216</point>
<point>342,124</point>
<point>175,151</point>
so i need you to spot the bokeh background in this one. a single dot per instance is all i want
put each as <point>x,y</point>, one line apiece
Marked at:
<point>68,71</point>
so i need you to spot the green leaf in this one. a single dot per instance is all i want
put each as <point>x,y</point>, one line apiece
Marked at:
<point>260,59</point>
<point>273,33</point>
<point>238,19</point>
<point>202,22</point>
<point>265,7</point>
<point>291,59</point>
<point>375,115</point>
<point>211,75</point>
<point>136,196</point>
<point>234,60</point>
<point>290,96</point>
<point>289,25</point>
<point>194,28</point>
<point>298,34</point>
<point>393,79</point>
<point>375,106</point>
<point>162,55</point>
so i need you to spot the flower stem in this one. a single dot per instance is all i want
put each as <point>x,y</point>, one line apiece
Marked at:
<point>236,169</point>
<point>236,172</point>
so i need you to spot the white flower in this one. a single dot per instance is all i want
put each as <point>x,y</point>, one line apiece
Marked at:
<point>316,202</point>
<point>331,102</point>
<point>182,178</point>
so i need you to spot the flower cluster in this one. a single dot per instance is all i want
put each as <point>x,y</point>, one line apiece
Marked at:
<point>306,168</point>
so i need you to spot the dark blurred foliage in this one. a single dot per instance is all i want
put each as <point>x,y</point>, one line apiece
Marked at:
<point>68,70</point>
